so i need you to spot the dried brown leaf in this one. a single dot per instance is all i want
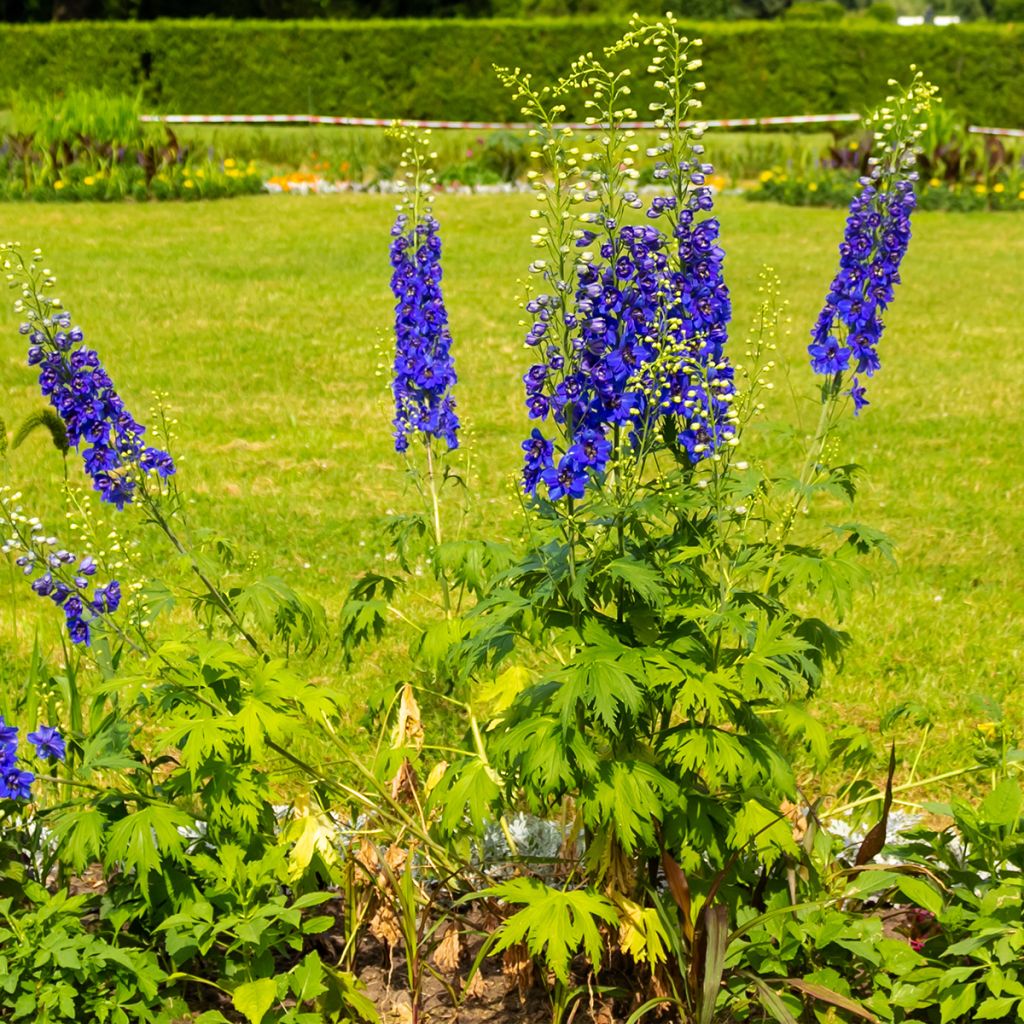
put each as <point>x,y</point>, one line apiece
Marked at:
<point>446,955</point>
<point>385,926</point>
<point>517,966</point>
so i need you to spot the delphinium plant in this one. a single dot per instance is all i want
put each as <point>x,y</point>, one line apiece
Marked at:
<point>665,644</point>
<point>193,703</point>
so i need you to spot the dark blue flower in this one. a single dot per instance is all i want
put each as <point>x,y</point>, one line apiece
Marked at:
<point>570,478</point>
<point>94,416</point>
<point>641,302</point>
<point>424,371</point>
<point>8,735</point>
<point>48,743</point>
<point>856,392</point>
<point>16,784</point>
<point>850,324</point>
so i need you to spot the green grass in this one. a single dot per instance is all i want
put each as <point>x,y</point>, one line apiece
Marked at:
<point>262,317</point>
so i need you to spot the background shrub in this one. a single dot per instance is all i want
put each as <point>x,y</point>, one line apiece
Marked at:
<point>443,68</point>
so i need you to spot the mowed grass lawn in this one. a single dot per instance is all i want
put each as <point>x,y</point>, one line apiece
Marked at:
<point>266,320</point>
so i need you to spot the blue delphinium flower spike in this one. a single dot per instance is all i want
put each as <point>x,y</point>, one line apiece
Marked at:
<point>424,370</point>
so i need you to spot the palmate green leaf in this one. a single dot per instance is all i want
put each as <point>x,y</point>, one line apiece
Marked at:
<point>554,923</point>
<point>830,576</point>
<point>472,563</point>
<point>599,682</point>
<point>279,611</point>
<point>642,579</point>
<point>769,668</point>
<point>549,759</point>
<point>79,834</point>
<point>764,829</point>
<point>626,795</point>
<point>467,789</point>
<point>143,839</point>
<point>864,540</point>
<point>798,723</point>
<point>604,678</point>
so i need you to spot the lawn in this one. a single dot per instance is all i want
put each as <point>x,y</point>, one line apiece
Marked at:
<point>265,320</point>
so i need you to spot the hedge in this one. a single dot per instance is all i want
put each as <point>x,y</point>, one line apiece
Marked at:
<point>442,69</point>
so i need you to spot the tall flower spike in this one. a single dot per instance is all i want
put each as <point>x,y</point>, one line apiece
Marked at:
<point>424,370</point>
<point>72,378</point>
<point>845,337</point>
<point>643,338</point>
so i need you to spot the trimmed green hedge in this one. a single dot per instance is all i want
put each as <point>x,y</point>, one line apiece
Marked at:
<point>442,69</point>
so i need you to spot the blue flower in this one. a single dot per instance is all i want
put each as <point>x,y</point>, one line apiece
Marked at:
<point>570,478</point>
<point>644,340</point>
<point>8,735</point>
<point>424,371</point>
<point>48,743</point>
<point>850,324</point>
<point>15,784</point>
<point>856,392</point>
<point>97,423</point>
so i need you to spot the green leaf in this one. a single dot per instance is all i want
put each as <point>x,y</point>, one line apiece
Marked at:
<point>471,789</point>
<point>959,999</point>
<point>827,995</point>
<point>642,579</point>
<point>1003,805</point>
<point>253,998</point>
<point>995,1009</point>
<point>554,923</point>
<point>626,796</point>
<point>717,932</point>
<point>307,978</point>
<point>920,893</point>
<point>142,840</point>
<point>345,995</point>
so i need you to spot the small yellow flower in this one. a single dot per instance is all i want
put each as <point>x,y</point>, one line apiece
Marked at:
<point>988,729</point>
<point>88,180</point>
<point>766,176</point>
<point>201,173</point>
<point>854,145</point>
<point>189,183</point>
<point>812,186</point>
<point>58,185</point>
<point>934,182</point>
<point>229,163</point>
<point>980,190</point>
<point>999,187</point>
<point>1020,195</point>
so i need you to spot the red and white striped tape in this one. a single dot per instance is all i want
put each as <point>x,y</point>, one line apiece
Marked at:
<point>380,122</point>
<point>1014,133</point>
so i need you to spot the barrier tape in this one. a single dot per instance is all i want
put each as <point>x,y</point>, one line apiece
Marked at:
<point>1015,133</point>
<point>380,122</point>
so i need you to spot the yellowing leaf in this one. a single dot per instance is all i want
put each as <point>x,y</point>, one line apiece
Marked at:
<point>640,932</point>
<point>312,834</point>
<point>497,696</point>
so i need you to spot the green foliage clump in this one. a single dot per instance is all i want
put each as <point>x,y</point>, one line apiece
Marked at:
<point>881,12</point>
<point>815,10</point>
<point>363,68</point>
<point>89,145</point>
